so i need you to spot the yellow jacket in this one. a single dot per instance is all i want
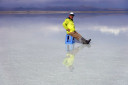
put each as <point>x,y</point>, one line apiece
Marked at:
<point>69,24</point>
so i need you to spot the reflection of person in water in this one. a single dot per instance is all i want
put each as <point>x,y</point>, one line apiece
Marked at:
<point>71,52</point>
<point>68,61</point>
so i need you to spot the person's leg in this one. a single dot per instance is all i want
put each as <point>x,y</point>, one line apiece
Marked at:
<point>77,36</point>
<point>82,40</point>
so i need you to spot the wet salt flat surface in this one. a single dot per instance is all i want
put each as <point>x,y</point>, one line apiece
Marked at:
<point>33,50</point>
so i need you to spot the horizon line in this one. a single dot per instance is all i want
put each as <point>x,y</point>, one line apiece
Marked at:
<point>57,12</point>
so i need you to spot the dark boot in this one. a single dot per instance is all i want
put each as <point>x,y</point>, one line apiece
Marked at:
<point>84,41</point>
<point>88,41</point>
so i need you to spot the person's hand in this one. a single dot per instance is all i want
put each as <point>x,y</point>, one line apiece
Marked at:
<point>68,30</point>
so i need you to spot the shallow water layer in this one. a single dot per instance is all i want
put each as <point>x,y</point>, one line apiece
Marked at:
<point>33,50</point>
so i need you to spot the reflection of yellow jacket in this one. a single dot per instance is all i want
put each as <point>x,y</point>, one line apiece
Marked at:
<point>69,24</point>
<point>68,61</point>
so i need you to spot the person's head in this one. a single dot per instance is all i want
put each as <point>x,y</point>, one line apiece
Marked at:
<point>71,15</point>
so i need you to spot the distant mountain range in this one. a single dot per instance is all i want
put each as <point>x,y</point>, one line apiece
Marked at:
<point>61,8</point>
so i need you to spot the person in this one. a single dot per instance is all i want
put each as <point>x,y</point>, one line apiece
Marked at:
<point>68,24</point>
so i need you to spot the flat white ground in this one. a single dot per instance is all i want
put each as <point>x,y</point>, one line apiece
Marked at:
<point>33,50</point>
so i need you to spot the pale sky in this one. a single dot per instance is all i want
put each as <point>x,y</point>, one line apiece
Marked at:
<point>45,3</point>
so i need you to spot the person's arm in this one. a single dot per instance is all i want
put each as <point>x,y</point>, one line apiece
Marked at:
<point>65,25</point>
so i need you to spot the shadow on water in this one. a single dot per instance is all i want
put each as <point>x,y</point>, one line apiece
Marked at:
<point>71,53</point>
